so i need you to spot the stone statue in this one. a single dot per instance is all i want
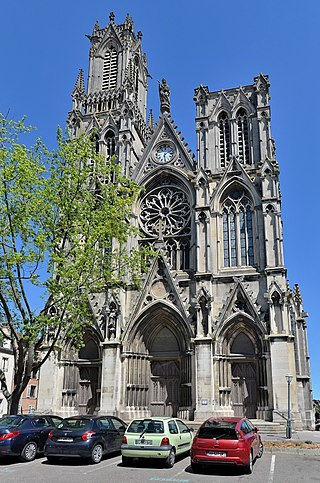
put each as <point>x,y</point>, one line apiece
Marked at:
<point>164,93</point>
<point>112,323</point>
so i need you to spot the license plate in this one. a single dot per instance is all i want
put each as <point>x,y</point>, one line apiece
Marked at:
<point>65,440</point>
<point>143,441</point>
<point>216,453</point>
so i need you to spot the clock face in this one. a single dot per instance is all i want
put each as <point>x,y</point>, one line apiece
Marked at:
<point>164,153</point>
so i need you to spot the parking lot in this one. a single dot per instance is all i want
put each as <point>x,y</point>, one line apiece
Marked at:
<point>279,468</point>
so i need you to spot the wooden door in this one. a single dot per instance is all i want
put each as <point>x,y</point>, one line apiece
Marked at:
<point>88,390</point>
<point>165,388</point>
<point>244,389</point>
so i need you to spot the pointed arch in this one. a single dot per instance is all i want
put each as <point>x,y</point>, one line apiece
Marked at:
<point>242,124</point>
<point>224,138</point>
<point>237,221</point>
<point>157,358</point>
<point>110,68</point>
<point>110,142</point>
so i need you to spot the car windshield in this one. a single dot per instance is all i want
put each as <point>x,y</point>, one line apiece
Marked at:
<point>218,430</point>
<point>75,423</point>
<point>10,421</point>
<point>141,426</point>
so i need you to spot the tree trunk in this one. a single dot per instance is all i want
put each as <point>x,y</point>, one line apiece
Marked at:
<point>13,403</point>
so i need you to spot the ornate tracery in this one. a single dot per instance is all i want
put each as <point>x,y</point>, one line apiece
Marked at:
<point>237,229</point>
<point>165,215</point>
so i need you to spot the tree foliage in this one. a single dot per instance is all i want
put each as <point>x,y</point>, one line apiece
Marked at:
<point>64,222</point>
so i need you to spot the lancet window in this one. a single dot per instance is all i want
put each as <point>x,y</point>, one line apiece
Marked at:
<point>237,230</point>
<point>243,136</point>
<point>110,69</point>
<point>224,139</point>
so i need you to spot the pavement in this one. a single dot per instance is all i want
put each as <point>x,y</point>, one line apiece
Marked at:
<point>297,436</point>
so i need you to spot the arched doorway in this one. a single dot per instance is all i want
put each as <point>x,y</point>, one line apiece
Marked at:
<point>243,376</point>
<point>89,366</point>
<point>165,374</point>
<point>158,365</point>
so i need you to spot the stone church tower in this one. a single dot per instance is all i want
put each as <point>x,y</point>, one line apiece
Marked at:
<point>215,327</point>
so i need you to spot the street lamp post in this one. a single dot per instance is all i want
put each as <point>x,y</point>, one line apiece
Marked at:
<point>288,429</point>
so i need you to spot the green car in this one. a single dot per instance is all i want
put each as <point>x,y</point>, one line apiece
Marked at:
<point>156,437</point>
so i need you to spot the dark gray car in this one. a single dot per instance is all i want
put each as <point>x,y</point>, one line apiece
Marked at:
<point>85,437</point>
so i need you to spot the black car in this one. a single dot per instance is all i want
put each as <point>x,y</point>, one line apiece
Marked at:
<point>85,437</point>
<point>25,435</point>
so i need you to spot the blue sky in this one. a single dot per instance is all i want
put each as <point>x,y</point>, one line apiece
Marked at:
<point>218,44</point>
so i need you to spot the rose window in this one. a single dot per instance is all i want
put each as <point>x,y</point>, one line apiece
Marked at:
<point>165,211</point>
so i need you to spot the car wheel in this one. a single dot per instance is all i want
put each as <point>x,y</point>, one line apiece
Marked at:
<point>169,462</point>
<point>260,452</point>
<point>195,467</point>
<point>96,454</point>
<point>125,461</point>
<point>29,451</point>
<point>248,468</point>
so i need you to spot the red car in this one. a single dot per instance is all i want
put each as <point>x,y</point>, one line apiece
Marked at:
<point>232,441</point>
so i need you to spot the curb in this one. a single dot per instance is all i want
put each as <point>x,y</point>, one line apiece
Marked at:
<point>298,451</point>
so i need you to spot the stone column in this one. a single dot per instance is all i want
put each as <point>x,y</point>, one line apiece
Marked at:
<point>204,378</point>
<point>283,363</point>
<point>110,378</point>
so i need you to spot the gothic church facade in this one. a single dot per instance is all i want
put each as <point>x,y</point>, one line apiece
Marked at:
<point>215,327</point>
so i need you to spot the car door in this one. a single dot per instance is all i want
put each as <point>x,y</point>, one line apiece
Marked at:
<point>41,428</point>
<point>120,428</point>
<point>174,435</point>
<point>185,436</point>
<point>254,438</point>
<point>249,436</point>
<point>107,433</point>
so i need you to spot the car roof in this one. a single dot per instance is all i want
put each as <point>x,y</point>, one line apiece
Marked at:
<point>155,418</point>
<point>227,419</point>
<point>88,416</point>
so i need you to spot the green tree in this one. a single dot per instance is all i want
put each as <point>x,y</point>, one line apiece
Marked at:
<point>64,223</point>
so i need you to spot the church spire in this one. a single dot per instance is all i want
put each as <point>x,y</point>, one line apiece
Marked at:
<point>150,119</point>
<point>79,85</point>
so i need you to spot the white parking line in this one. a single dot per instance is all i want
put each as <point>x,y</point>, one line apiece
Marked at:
<point>272,465</point>
<point>100,467</point>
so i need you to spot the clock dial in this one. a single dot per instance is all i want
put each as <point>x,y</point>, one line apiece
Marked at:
<point>164,153</point>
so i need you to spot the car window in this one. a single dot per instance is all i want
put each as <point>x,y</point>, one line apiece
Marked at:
<point>218,430</point>
<point>104,423</point>
<point>182,427</point>
<point>250,425</point>
<point>172,427</point>
<point>39,423</point>
<point>245,428</point>
<point>119,425</point>
<point>75,423</point>
<point>139,426</point>
<point>56,421</point>
<point>11,421</point>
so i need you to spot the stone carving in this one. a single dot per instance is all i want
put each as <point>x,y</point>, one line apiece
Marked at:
<point>165,211</point>
<point>110,321</point>
<point>164,93</point>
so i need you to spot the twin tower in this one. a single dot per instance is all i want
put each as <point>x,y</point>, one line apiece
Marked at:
<point>215,327</point>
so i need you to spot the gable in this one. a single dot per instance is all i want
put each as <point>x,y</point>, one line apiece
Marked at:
<point>166,149</point>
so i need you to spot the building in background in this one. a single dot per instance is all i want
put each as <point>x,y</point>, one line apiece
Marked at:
<point>29,396</point>
<point>7,366</point>
<point>215,328</point>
